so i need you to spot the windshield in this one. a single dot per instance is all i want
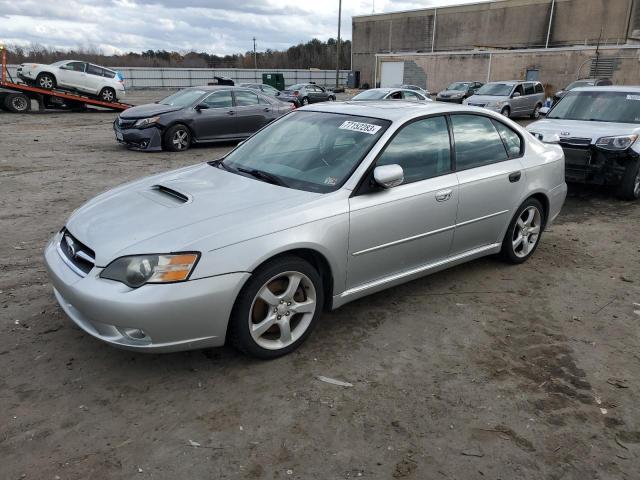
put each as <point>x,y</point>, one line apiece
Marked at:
<point>577,84</point>
<point>495,89</point>
<point>58,63</point>
<point>183,98</point>
<point>458,86</point>
<point>312,151</point>
<point>371,95</point>
<point>622,107</point>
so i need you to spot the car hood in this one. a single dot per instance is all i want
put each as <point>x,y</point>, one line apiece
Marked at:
<point>450,93</point>
<point>199,207</point>
<point>148,110</point>
<point>486,98</point>
<point>581,129</point>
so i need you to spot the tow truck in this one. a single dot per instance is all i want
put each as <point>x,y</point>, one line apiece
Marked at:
<point>16,96</point>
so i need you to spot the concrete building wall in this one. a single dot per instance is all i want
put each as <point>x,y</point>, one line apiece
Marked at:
<point>502,24</point>
<point>556,67</point>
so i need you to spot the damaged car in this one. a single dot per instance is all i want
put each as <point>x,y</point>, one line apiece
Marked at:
<point>598,130</point>
<point>197,115</point>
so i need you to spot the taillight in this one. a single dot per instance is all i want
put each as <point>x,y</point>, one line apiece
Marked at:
<point>296,93</point>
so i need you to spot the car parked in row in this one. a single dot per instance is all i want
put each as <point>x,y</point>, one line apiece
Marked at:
<point>515,98</point>
<point>305,93</point>
<point>261,87</point>
<point>416,88</point>
<point>598,129</point>
<point>197,115</point>
<point>391,94</point>
<point>457,92</point>
<point>251,248</point>
<point>74,75</point>
<point>585,82</point>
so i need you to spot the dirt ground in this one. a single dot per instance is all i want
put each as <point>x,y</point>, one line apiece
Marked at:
<point>484,371</point>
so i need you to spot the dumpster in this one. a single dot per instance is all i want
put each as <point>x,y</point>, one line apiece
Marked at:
<point>276,80</point>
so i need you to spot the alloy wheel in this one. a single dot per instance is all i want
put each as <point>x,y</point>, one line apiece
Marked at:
<point>46,82</point>
<point>536,112</point>
<point>526,232</point>
<point>107,96</point>
<point>180,139</point>
<point>282,310</point>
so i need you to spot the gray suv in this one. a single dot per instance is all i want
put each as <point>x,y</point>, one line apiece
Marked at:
<point>513,98</point>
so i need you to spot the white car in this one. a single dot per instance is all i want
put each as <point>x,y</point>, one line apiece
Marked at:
<point>75,75</point>
<point>598,129</point>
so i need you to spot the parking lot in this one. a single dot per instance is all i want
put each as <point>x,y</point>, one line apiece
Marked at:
<point>486,370</point>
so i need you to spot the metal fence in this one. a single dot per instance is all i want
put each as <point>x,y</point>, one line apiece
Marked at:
<point>139,77</point>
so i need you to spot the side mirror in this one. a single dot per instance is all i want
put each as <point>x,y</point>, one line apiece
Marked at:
<point>543,111</point>
<point>202,106</point>
<point>277,94</point>
<point>388,176</point>
<point>515,94</point>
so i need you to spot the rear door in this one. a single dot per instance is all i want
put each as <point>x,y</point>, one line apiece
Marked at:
<point>251,115</point>
<point>518,103</point>
<point>487,159</point>
<point>531,97</point>
<point>218,121</point>
<point>397,229</point>
<point>94,78</point>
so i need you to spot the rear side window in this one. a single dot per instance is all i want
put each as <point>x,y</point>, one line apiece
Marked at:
<point>219,100</point>
<point>108,73</point>
<point>411,96</point>
<point>421,148</point>
<point>477,142</point>
<point>512,141</point>
<point>244,98</point>
<point>93,70</point>
<point>539,88</point>
<point>529,89</point>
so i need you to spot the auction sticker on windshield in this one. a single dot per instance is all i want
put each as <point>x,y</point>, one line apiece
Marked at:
<point>633,97</point>
<point>360,127</point>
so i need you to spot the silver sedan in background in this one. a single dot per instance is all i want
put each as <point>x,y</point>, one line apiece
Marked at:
<point>391,94</point>
<point>328,204</point>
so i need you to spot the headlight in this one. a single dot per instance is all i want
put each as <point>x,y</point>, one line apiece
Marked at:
<point>616,143</point>
<point>137,270</point>
<point>146,122</point>
<point>494,104</point>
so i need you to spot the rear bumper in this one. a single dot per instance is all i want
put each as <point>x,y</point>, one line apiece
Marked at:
<point>172,317</point>
<point>594,166</point>
<point>145,139</point>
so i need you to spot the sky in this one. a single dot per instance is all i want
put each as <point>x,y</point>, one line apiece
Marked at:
<point>213,26</point>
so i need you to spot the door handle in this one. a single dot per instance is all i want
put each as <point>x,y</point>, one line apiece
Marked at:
<point>267,109</point>
<point>515,177</point>
<point>444,195</point>
<point>231,112</point>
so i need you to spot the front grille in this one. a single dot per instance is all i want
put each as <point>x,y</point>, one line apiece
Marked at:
<point>477,104</point>
<point>575,142</point>
<point>577,157</point>
<point>126,123</point>
<point>79,257</point>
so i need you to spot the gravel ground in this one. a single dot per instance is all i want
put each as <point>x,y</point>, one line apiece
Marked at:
<point>484,371</point>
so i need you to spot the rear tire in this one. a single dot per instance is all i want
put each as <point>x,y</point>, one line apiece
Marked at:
<point>524,232</point>
<point>536,112</point>
<point>46,81</point>
<point>107,94</point>
<point>17,103</point>
<point>177,138</point>
<point>506,111</point>
<point>277,308</point>
<point>629,188</point>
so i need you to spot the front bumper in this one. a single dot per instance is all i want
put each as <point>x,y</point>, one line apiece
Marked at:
<point>594,166</point>
<point>145,139</point>
<point>173,317</point>
<point>449,99</point>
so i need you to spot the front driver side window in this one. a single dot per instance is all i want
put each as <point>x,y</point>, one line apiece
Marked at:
<point>421,148</point>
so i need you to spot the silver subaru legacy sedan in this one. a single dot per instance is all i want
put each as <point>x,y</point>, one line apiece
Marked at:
<point>328,204</point>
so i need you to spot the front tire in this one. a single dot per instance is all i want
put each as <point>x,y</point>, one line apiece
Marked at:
<point>107,94</point>
<point>506,111</point>
<point>46,81</point>
<point>524,232</point>
<point>277,309</point>
<point>177,138</point>
<point>304,101</point>
<point>630,187</point>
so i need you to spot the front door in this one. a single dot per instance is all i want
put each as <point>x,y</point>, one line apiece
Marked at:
<point>491,180</point>
<point>218,121</point>
<point>397,229</point>
<point>72,75</point>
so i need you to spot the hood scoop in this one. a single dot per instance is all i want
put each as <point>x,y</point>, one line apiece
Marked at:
<point>166,196</point>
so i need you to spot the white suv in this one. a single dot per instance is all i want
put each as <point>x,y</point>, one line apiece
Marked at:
<point>83,77</point>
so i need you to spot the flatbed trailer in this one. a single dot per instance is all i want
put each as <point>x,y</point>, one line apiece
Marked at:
<point>16,97</point>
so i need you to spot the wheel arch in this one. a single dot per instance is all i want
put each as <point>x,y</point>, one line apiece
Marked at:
<point>47,72</point>
<point>546,204</point>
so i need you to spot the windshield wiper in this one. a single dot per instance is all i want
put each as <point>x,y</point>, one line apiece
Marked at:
<point>263,176</point>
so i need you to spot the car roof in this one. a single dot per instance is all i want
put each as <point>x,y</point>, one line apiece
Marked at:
<point>609,88</point>
<point>393,111</point>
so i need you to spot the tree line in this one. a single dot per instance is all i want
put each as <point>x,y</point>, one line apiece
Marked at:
<point>313,54</point>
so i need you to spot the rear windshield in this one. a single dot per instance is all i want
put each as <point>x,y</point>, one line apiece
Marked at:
<point>312,151</point>
<point>621,107</point>
<point>183,98</point>
<point>495,89</point>
<point>297,86</point>
<point>371,95</point>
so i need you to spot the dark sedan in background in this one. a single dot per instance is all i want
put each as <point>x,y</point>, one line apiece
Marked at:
<point>197,115</point>
<point>262,87</point>
<point>458,91</point>
<point>306,93</point>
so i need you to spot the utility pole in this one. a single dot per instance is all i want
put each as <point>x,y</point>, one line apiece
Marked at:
<point>338,44</point>
<point>255,56</point>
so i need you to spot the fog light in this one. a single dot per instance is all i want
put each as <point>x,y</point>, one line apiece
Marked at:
<point>135,333</point>
<point>144,143</point>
